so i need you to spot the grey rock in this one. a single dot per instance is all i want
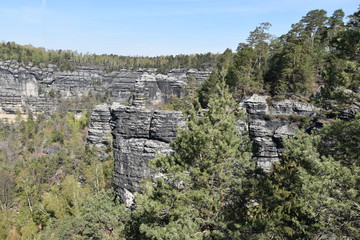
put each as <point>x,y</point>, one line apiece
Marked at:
<point>50,150</point>
<point>260,128</point>
<point>270,124</point>
<point>139,135</point>
<point>288,107</point>
<point>162,125</point>
<point>255,105</point>
<point>348,114</point>
<point>132,122</point>
<point>20,83</point>
<point>99,132</point>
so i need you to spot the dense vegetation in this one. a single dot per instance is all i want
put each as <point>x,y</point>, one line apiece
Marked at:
<point>48,174</point>
<point>318,51</point>
<point>69,60</point>
<point>54,186</point>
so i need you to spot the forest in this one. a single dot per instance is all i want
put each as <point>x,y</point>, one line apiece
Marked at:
<point>54,185</point>
<point>67,60</point>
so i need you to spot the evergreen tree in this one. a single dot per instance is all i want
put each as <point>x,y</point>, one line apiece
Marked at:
<point>342,66</point>
<point>310,196</point>
<point>190,199</point>
<point>314,26</point>
<point>341,141</point>
<point>241,75</point>
<point>246,73</point>
<point>100,217</point>
<point>208,87</point>
<point>335,24</point>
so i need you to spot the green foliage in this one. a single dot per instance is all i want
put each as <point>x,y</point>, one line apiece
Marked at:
<point>208,87</point>
<point>318,50</point>
<point>7,189</point>
<point>67,60</point>
<point>246,73</point>
<point>310,196</point>
<point>99,217</point>
<point>342,67</point>
<point>189,100</point>
<point>191,199</point>
<point>47,174</point>
<point>341,141</point>
<point>53,186</point>
<point>7,222</point>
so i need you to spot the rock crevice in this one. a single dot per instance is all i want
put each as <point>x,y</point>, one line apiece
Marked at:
<point>270,122</point>
<point>33,88</point>
<point>139,135</point>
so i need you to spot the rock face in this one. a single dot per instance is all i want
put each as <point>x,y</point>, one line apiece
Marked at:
<point>270,122</point>
<point>139,135</point>
<point>99,133</point>
<point>29,87</point>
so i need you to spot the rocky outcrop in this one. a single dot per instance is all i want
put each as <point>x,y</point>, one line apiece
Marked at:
<point>270,122</point>
<point>99,133</point>
<point>36,88</point>
<point>139,135</point>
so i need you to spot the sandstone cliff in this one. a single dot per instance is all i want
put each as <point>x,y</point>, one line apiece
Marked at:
<point>140,134</point>
<point>270,122</point>
<point>24,88</point>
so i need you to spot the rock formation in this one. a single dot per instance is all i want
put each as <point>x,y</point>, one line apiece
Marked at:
<point>140,134</point>
<point>270,122</point>
<point>34,88</point>
<point>99,133</point>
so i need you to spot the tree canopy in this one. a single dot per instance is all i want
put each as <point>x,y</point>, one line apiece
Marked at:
<point>54,186</point>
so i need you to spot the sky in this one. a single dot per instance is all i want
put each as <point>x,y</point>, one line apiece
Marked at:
<point>150,27</point>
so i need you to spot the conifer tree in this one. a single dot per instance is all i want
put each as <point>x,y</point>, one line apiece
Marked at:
<point>209,85</point>
<point>342,66</point>
<point>190,198</point>
<point>311,196</point>
<point>246,74</point>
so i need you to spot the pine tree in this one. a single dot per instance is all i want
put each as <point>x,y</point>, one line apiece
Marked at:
<point>99,217</point>
<point>209,86</point>
<point>209,160</point>
<point>342,67</point>
<point>311,196</point>
<point>246,73</point>
<point>341,141</point>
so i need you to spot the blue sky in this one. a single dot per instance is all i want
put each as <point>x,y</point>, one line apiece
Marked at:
<point>150,27</point>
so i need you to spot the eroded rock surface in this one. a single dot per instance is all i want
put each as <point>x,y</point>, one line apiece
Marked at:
<point>139,135</point>
<point>33,88</point>
<point>270,122</point>
<point>99,133</point>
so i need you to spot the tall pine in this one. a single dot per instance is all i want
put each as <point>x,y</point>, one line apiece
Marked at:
<point>191,198</point>
<point>311,196</point>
